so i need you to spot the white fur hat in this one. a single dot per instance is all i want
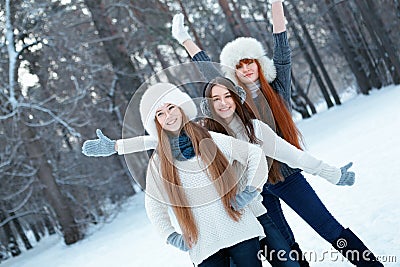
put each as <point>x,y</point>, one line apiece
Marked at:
<point>159,94</point>
<point>242,48</point>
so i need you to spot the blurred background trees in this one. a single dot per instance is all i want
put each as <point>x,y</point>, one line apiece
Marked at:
<point>68,67</point>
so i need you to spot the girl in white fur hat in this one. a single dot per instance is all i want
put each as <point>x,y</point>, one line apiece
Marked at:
<point>217,217</point>
<point>245,62</point>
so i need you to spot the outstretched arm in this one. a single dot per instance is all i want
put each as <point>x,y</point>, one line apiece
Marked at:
<point>104,146</point>
<point>277,148</point>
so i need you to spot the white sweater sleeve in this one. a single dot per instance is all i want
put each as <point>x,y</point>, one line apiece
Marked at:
<point>156,204</point>
<point>248,155</point>
<point>277,148</point>
<point>136,144</point>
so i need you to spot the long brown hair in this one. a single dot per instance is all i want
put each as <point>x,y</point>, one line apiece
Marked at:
<point>244,111</point>
<point>246,114</point>
<point>219,171</point>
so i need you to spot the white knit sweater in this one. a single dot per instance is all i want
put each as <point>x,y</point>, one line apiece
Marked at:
<point>277,148</point>
<point>216,229</point>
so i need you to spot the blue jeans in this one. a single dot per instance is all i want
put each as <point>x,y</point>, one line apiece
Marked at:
<point>300,197</point>
<point>275,248</point>
<point>244,254</point>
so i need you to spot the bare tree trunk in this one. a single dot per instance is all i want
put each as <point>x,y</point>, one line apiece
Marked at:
<point>349,53</point>
<point>19,228</point>
<point>232,22</point>
<point>52,192</point>
<point>12,244</point>
<point>49,225</point>
<point>300,91</point>
<point>381,38</point>
<point>268,25</point>
<point>35,231</point>
<point>375,79</point>
<point>115,48</point>
<point>317,56</point>
<point>310,61</point>
<point>245,29</point>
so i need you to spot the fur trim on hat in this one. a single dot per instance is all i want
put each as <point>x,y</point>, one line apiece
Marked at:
<point>159,94</point>
<point>242,48</point>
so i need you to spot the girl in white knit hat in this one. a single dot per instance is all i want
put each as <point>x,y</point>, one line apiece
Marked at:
<point>244,61</point>
<point>191,172</point>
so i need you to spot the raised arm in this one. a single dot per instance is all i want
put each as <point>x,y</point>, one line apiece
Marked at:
<point>277,148</point>
<point>278,17</point>
<point>282,53</point>
<point>202,60</point>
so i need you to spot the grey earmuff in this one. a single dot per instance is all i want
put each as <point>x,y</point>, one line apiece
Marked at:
<point>205,108</point>
<point>241,93</point>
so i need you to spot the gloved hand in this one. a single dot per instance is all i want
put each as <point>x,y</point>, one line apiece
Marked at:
<point>245,197</point>
<point>347,177</point>
<point>101,147</point>
<point>178,29</point>
<point>176,240</point>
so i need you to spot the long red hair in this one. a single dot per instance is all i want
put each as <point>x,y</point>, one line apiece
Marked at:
<point>284,123</point>
<point>219,170</point>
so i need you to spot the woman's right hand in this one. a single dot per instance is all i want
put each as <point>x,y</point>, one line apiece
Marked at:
<point>178,29</point>
<point>102,147</point>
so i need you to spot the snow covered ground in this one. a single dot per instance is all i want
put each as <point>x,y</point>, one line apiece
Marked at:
<point>364,130</point>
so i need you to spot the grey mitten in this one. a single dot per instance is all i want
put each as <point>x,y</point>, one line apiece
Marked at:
<point>101,147</point>
<point>347,177</point>
<point>178,29</point>
<point>176,240</point>
<point>245,197</point>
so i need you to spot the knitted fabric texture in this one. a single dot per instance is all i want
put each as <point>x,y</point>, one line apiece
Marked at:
<point>216,229</point>
<point>136,144</point>
<point>182,147</point>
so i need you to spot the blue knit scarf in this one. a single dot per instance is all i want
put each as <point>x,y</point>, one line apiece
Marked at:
<point>182,147</point>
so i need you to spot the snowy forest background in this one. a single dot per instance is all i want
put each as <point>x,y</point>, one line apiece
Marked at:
<point>68,67</point>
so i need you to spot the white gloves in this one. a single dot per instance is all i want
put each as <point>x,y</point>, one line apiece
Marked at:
<point>178,29</point>
<point>273,1</point>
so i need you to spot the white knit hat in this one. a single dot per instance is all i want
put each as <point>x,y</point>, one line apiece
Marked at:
<point>159,94</point>
<point>242,48</point>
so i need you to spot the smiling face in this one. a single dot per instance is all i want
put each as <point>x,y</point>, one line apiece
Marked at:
<point>170,118</point>
<point>247,71</point>
<point>223,103</point>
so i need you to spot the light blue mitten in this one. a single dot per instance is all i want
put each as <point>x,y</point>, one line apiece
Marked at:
<point>245,197</point>
<point>102,147</point>
<point>347,178</point>
<point>176,240</point>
